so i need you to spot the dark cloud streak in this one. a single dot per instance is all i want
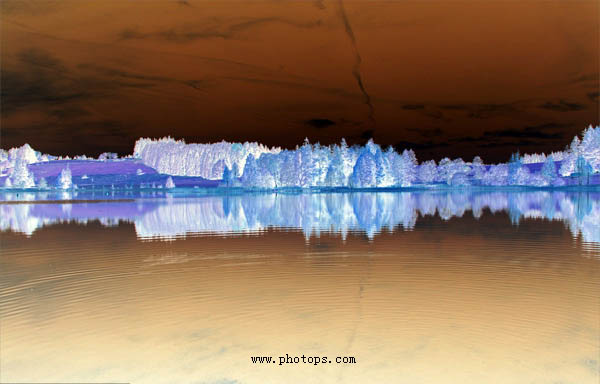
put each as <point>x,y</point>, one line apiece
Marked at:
<point>562,106</point>
<point>185,35</point>
<point>320,123</point>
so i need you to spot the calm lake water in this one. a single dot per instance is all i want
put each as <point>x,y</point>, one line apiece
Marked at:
<point>417,287</point>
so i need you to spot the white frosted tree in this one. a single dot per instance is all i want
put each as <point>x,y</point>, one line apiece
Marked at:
<point>290,168</point>
<point>371,147</point>
<point>169,184</point>
<point>444,173</point>
<point>460,179</point>
<point>477,169</point>
<point>569,161</point>
<point>21,176</point>
<point>272,163</point>
<point>348,159</point>
<point>217,169</point>
<point>307,166</point>
<point>321,159</point>
<point>427,172</point>
<point>408,168</point>
<point>25,153</point>
<point>175,157</point>
<point>65,180</point>
<point>514,165</point>
<point>522,177</point>
<point>335,173</point>
<point>496,175</point>
<point>42,183</point>
<point>250,175</point>
<point>256,177</point>
<point>395,162</point>
<point>447,168</point>
<point>590,147</point>
<point>363,175</point>
<point>383,172</point>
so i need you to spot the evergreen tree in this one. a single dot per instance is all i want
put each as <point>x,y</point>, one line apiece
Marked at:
<point>408,169</point>
<point>169,184</point>
<point>363,175</point>
<point>549,170</point>
<point>383,175</point>
<point>514,164</point>
<point>227,177</point>
<point>427,172</point>
<point>307,170</point>
<point>335,176</point>
<point>583,170</point>
<point>42,184</point>
<point>250,175</point>
<point>21,177</point>
<point>64,180</point>
<point>477,169</point>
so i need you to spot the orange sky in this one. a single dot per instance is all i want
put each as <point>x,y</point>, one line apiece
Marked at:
<point>446,78</point>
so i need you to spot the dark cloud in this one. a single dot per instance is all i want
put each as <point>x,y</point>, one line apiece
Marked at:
<point>456,107</point>
<point>562,106</point>
<point>434,114</point>
<point>39,58</point>
<point>531,132</point>
<point>427,132</point>
<point>69,112</point>
<point>294,85</point>
<point>547,126</point>
<point>490,110</point>
<point>23,89</point>
<point>42,81</point>
<point>210,31</point>
<point>591,77</point>
<point>468,139</point>
<point>490,139</point>
<point>402,145</point>
<point>32,7</point>
<point>132,33</point>
<point>411,107</point>
<point>137,80</point>
<point>112,72</point>
<point>481,111</point>
<point>320,123</point>
<point>520,143</point>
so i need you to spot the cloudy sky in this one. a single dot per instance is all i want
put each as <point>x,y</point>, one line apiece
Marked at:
<point>447,78</point>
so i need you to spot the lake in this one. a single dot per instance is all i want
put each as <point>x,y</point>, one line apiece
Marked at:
<point>405,287</point>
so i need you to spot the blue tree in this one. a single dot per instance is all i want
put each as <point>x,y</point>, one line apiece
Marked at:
<point>583,171</point>
<point>363,175</point>
<point>228,177</point>
<point>335,174</point>
<point>549,170</point>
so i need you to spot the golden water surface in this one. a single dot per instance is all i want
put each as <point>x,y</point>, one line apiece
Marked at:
<point>460,301</point>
